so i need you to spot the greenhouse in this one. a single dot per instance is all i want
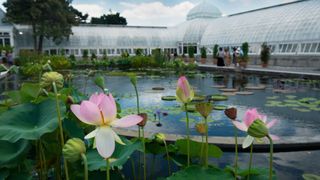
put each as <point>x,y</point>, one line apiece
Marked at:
<point>297,33</point>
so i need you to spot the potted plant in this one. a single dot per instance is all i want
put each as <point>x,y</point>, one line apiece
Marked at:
<point>203,55</point>
<point>264,54</point>
<point>244,57</point>
<point>215,53</point>
<point>191,50</point>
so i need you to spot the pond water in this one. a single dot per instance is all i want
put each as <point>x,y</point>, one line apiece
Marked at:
<point>294,102</point>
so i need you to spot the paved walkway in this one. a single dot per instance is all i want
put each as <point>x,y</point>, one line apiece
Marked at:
<point>275,70</point>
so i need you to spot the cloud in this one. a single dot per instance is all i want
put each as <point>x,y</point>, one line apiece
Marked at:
<point>156,13</point>
<point>94,10</point>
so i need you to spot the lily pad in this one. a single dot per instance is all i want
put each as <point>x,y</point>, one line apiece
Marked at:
<point>195,148</point>
<point>244,93</point>
<point>310,177</point>
<point>219,97</point>
<point>259,87</point>
<point>220,107</point>
<point>198,172</point>
<point>12,153</point>
<point>29,121</point>
<point>228,90</point>
<point>168,98</point>
<point>198,98</point>
<point>273,97</point>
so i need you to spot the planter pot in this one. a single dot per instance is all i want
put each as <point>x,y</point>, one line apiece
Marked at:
<point>191,60</point>
<point>203,60</point>
<point>243,64</point>
<point>264,65</point>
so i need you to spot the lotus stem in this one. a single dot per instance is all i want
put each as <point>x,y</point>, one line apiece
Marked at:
<point>168,158</point>
<point>137,96</point>
<point>60,128</point>
<point>144,155</point>
<point>250,160</point>
<point>85,164</point>
<point>108,169</point>
<point>201,150</point>
<point>152,166</point>
<point>207,144</point>
<point>133,169</point>
<point>236,153</point>
<point>188,134</point>
<point>43,159</point>
<point>271,157</point>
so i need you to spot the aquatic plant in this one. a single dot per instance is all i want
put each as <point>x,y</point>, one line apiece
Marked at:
<point>101,111</point>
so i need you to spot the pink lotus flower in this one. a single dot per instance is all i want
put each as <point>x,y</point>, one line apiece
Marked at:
<point>101,111</point>
<point>184,91</point>
<point>250,116</point>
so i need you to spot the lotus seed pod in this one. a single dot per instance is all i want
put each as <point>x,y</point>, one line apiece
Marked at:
<point>51,77</point>
<point>201,128</point>
<point>258,129</point>
<point>73,149</point>
<point>144,120</point>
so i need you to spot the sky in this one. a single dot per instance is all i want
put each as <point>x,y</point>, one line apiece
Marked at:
<point>162,12</point>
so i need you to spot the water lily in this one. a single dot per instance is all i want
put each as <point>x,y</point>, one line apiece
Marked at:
<point>184,91</point>
<point>250,116</point>
<point>101,111</point>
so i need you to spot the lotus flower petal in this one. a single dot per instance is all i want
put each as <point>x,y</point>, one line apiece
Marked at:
<point>271,123</point>
<point>118,139</point>
<point>96,98</point>
<point>241,126</point>
<point>87,112</point>
<point>127,121</point>
<point>108,108</point>
<point>247,141</point>
<point>250,116</point>
<point>105,141</point>
<point>184,91</point>
<point>92,134</point>
<point>274,137</point>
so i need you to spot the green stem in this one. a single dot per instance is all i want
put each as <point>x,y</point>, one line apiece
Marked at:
<point>250,161</point>
<point>60,128</point>
<point>271,157</point>
<point>236,152</point>
<point>43,157</point>
<point>188,135</point>
<point>168,158</point>
<point>133,169</point>
<point>152,166</point>
<point>207,144</point>
<point>137,96</point>
<point>108,169</point>
<point>139,158</point>
<point>201,150</point>
<point>144,156</point>
<point>85,164</point>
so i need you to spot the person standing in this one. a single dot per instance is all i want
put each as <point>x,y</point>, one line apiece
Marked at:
<point>227,57</point>
<point>220,57</point>
<point>234,57</point>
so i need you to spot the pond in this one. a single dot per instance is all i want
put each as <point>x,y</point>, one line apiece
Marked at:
<point>295,103</point>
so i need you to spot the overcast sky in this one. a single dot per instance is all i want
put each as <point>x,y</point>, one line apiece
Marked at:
<point>163,12</point>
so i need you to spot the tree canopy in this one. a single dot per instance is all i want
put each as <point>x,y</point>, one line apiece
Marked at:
<point>109,19</point>
<point>51,19</point>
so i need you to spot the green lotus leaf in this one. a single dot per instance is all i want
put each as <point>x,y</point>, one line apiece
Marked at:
<point>198,172</point>
<point>273,97</point>
<point>195,148</point>
<point>118,158</point>
<point>310,177</point>
<point>292,105</point>
<point>198,98</point>
<point>219,107</point>
<point>12,153</point>
<point>29,121</point>
<point>4,173</point>
<point>290,96</point>
<point>219,97</point>
<point>168,98</point>
<point>291,101</point>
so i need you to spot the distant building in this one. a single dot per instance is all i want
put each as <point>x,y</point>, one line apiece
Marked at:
<point>290,29</point>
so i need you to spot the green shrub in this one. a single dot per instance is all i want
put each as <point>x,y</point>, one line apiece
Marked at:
<point>124,63</point>
<point>203,52</point>
<point>215,51</point>
<point>265,53</point>
<point>85,54</point>
<point>191,51</point>
<point>93,56</point>
<point>158,56</point>
<point>139,52</point>
<point>31,69</point>
<point>57,62</point>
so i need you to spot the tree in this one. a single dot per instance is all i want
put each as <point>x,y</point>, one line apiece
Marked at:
<point>215,51</point>
<point>51,19</point>
<point>115,19</point>
<point>265,53</point>
<point>81,18</point>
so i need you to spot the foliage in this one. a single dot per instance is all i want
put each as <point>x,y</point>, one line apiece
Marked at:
<point>13,153</point>
<point>93,56</point>
<point>215,51</point>
<point>125,54</point>
<point>85,54</point>
<point>139,52</point>
<point>191,51</point>
<point>203,52</point>
<point>124,63</point>
<point>49,19</point>
<point>104,55</point>
<point>245,49</point>
<point>158,56</point>
<point>265,53</point>
<point>114,19</point>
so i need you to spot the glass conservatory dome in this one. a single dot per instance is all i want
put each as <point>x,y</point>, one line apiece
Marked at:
<point>204,10</point>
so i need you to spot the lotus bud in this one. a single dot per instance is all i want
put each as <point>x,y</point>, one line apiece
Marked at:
<point>258,129</point>
<point>184,91</point>
<point>144,119</point>
<point>51,77</point>
<point>73,149</point>
<point>159,137</point>
<point>204,109</point>
<point>201,128</point>
<point>231,113</point>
